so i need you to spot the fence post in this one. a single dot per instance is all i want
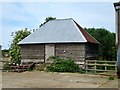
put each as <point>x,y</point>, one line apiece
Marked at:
<point>105,68</point>
<point>94,64</point>
<point>86,66</point>
<point>95,67</point>
<point>115,69</point>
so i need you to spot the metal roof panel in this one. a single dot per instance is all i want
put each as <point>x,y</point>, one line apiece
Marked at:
<point>56,31</point>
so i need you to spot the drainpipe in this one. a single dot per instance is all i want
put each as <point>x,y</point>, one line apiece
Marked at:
<point>117,26</point>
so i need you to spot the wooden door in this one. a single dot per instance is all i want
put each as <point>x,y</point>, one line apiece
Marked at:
<point>49,51</point>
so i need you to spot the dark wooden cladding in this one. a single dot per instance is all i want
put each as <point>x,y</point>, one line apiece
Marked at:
<point>32,52</point>
<point>73,51</point>
<point>76,51</point>
<point>92,51</point>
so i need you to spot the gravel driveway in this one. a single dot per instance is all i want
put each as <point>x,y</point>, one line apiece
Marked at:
<point>36,79</point>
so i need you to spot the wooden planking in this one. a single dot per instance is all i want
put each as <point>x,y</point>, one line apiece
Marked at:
<point>91,65</point>
<point>99,61</point>
<point>32,52</point>
<point>73,47</point>
<point>73,51</point>
<point>100,65</point>
<point>92,50</point>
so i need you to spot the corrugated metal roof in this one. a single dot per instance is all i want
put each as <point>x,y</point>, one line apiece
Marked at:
<point>88,37</point>
<point>57,31</point>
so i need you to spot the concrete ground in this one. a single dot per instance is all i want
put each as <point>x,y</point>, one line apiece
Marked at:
<point>36,79</point>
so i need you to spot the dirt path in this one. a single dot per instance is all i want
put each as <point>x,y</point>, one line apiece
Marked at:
<point>37,79</point>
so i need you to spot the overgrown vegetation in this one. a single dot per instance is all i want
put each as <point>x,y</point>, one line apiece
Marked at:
<point>15,49</point>
<point>40,67</point>
<point>5,53</point>
<point>111,78</point>
<point>63,65</point>
<point>6,65</point>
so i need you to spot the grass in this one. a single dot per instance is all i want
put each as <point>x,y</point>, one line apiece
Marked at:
<point>111,78</point>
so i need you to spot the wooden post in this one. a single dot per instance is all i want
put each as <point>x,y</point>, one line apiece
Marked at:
<point>95,67</point>
<point>115,69</point>
<point>105,68</point>
<point>86,67</point>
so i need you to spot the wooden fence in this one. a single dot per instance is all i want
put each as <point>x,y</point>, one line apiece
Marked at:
<point>101,67</point>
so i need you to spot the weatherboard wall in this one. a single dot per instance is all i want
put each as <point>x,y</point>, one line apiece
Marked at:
<point>91,51</point>
<point>77,51</point>
<point>32,53</point>
<point>36,53</point>
<point>73,51</point>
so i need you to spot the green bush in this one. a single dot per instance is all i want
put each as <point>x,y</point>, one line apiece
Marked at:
<point>111,78</point>
<point>40,67</point>
<point>82,71</point>
<point>62,65</point>
<point>29,69</point>
<point>6,66</point>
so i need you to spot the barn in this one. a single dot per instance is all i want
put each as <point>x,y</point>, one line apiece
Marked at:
<point>61,37</point>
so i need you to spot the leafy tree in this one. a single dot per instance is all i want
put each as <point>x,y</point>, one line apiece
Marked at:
<point>107,42</point>
<point>17,37</point>
<point>5,53</point>
<point>14,48</point>
<point>46,20</point>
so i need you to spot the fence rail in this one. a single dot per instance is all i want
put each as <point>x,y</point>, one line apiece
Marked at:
<point>101,67</point>
<point>93,66</point>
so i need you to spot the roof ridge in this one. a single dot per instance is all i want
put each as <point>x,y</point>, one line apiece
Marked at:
<point>63,19</point>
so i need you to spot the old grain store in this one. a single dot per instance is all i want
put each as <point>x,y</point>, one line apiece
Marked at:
<point>60,37</point>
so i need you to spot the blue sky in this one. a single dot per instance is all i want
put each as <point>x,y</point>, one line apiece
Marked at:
<point>16,16</point>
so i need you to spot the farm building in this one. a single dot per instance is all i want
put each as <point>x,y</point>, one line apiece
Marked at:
<point>61,37</point>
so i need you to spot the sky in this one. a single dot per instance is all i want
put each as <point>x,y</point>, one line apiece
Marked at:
<point>19,15</point>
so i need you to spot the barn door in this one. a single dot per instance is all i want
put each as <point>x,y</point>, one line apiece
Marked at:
<point>49,51</point>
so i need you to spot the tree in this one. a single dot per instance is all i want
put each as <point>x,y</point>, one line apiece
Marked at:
<point>17,37</point>
<point>46,20</point>
<point>5,53</point>
<point>14,48</point>
<point>107,42</point>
